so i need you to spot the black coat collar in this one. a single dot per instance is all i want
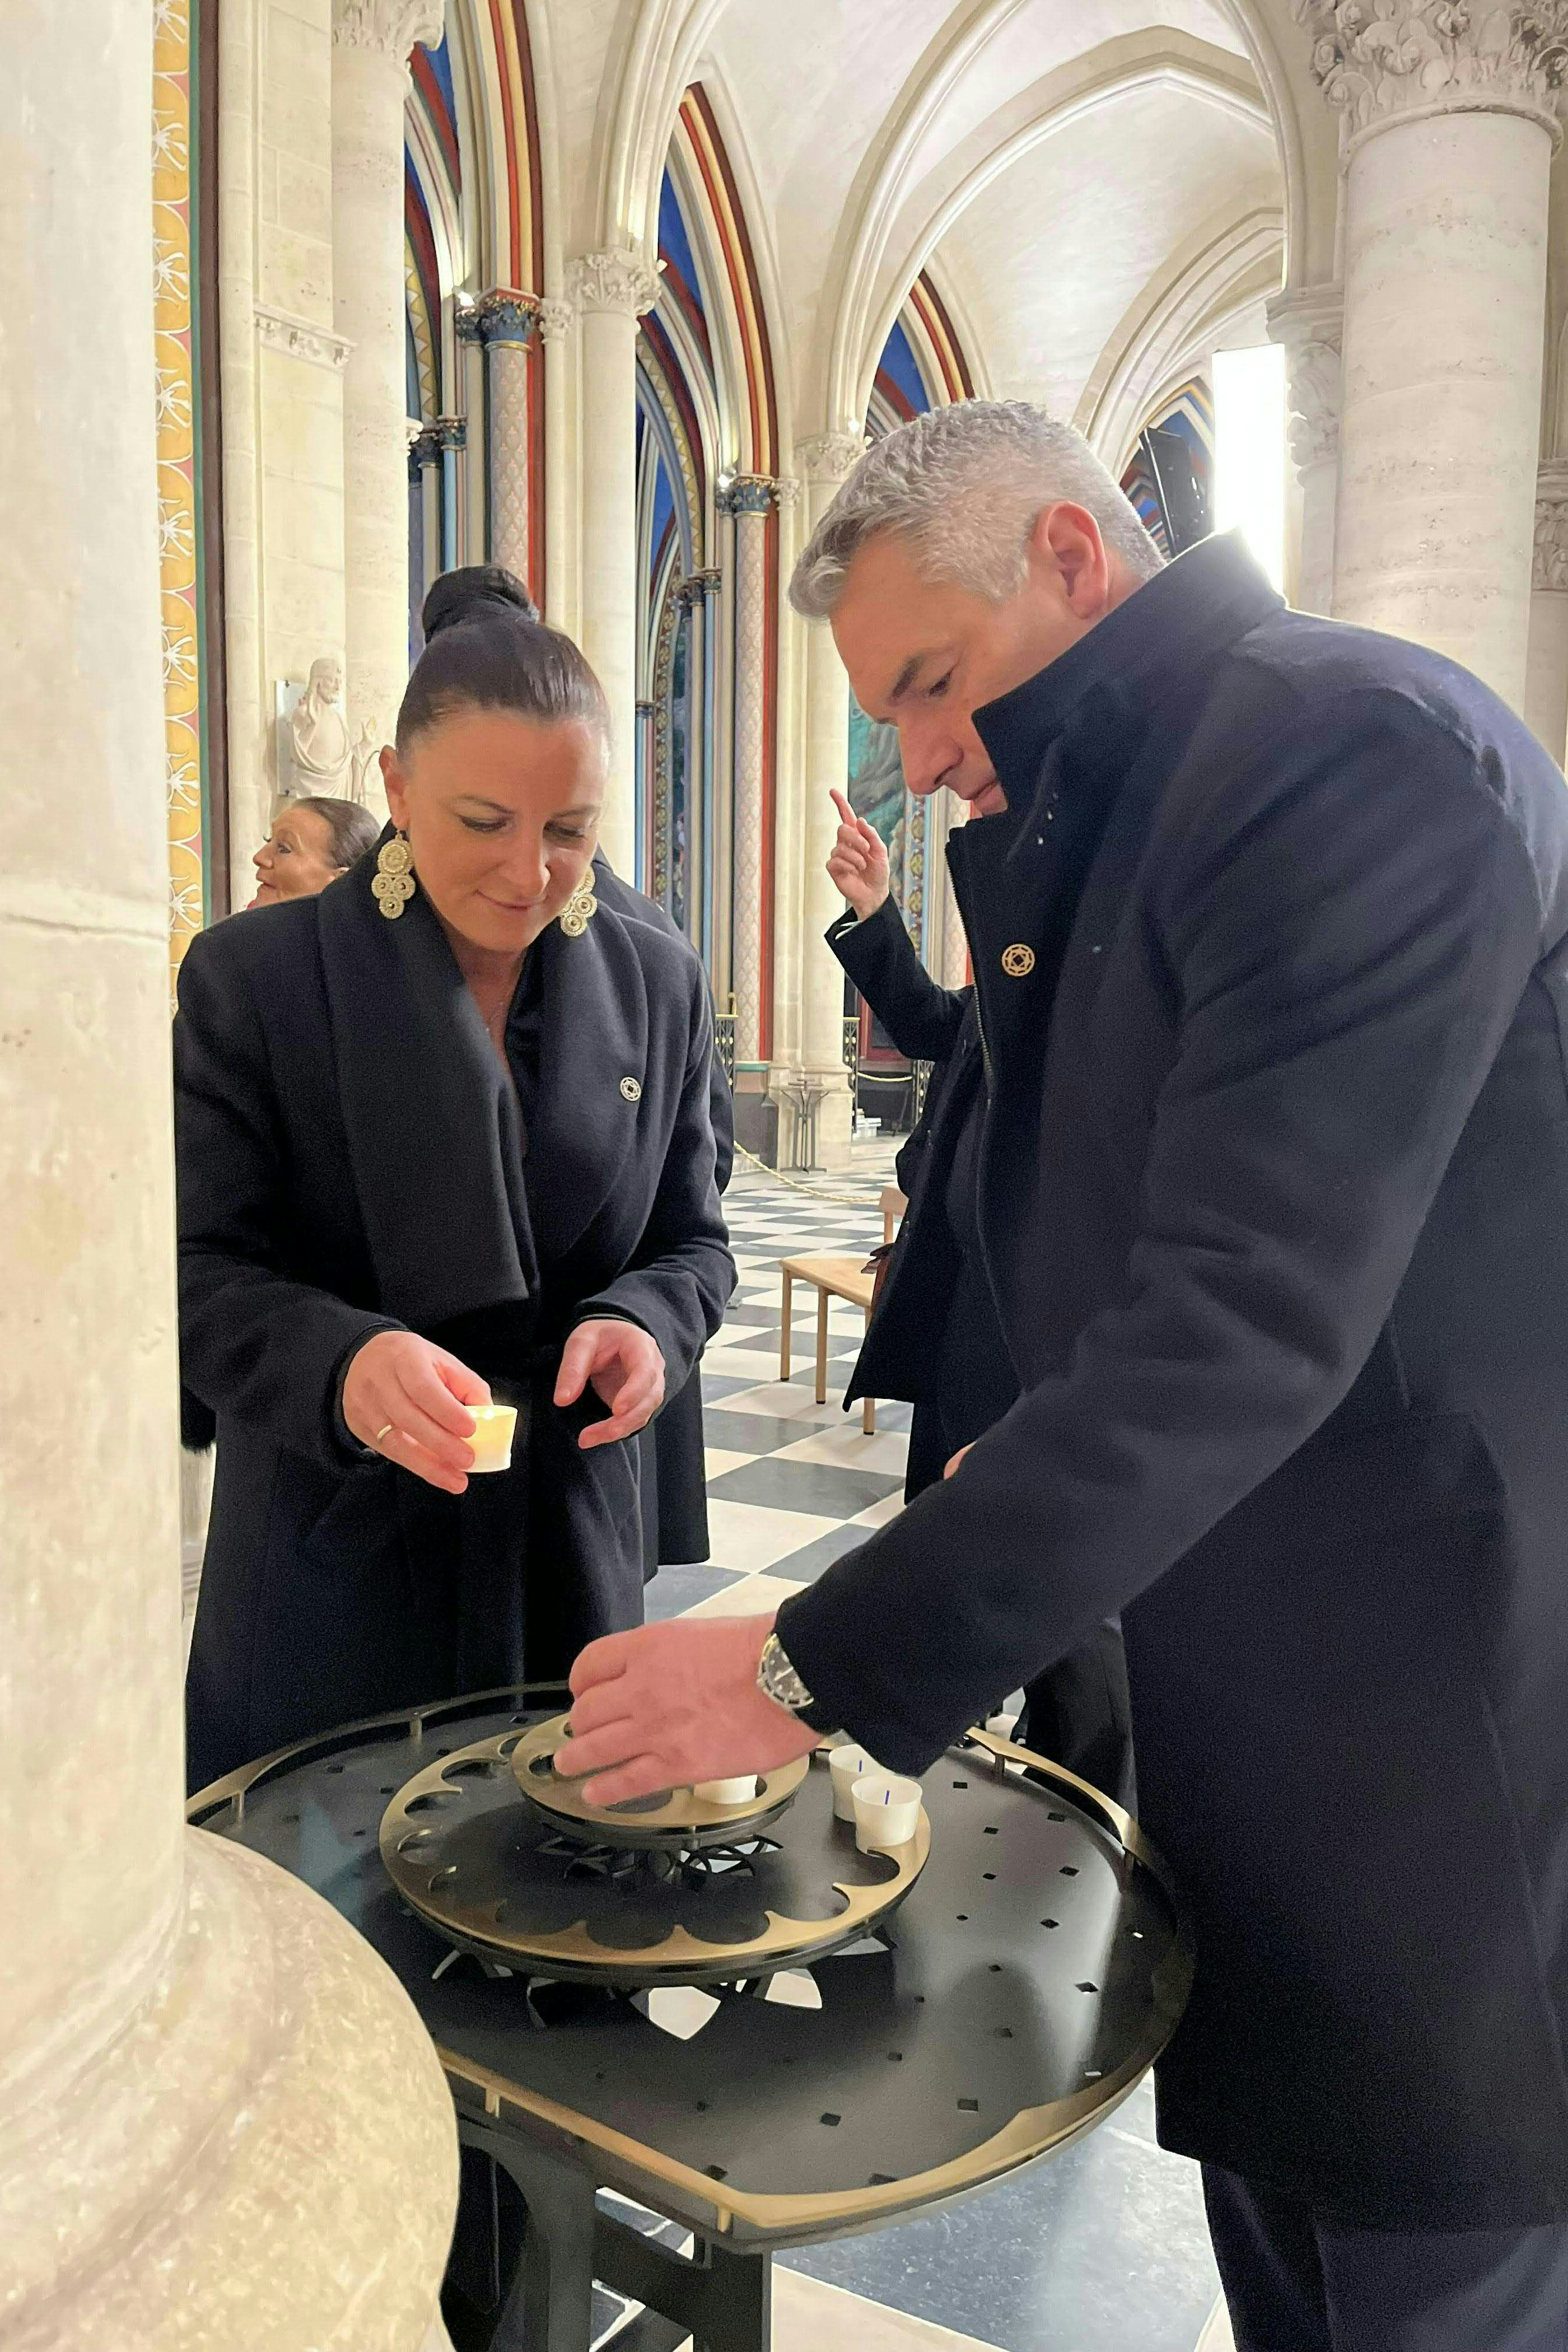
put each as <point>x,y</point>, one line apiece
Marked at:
<point>1105,685</point>
<point>433,1132</point>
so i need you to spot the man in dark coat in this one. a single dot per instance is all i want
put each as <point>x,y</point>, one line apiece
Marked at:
<point>960,1377</point>
<point>1268,921</point>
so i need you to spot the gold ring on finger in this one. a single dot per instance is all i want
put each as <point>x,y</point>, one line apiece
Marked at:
<point>383,1431</point>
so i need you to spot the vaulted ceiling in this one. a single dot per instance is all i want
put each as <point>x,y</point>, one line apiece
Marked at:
<point>1099,189</point>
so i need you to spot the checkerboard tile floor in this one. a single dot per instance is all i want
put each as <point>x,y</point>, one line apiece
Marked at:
<point>791,1483</point>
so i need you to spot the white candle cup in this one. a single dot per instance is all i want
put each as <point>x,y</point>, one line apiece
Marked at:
<point>847,1766</point>
<point>886,1809</point>
<point>495,1426</point>
<point>728,1792</point>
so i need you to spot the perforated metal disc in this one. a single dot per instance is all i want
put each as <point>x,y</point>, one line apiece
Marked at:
<point>496,1876</point>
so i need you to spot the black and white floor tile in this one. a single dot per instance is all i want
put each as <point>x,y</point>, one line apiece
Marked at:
<point>1102,2249</point>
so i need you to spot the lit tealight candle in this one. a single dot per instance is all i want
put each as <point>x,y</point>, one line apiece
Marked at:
<point>726,1792</point>
<point>495,1425</point>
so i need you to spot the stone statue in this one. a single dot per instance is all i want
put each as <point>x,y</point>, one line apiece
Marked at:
<point>318,733</point>
<point>367,752</point>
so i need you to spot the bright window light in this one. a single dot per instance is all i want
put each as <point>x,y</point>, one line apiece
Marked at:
<point>1249,451</point>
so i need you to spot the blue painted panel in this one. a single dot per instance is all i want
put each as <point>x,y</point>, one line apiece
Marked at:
<point>899,362</point>
<point>674,242</point>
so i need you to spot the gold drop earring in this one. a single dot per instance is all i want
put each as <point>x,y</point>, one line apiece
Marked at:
<point>393,885</point>
<point>578,911</point>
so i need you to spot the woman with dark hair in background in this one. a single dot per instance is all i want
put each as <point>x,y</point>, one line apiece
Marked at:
<point>443,1127</point>
<point>312,841</point>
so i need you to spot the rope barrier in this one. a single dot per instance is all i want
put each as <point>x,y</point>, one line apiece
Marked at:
<point>845,1200</point>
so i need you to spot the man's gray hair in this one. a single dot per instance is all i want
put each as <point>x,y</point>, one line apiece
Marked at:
<point>964,486</point>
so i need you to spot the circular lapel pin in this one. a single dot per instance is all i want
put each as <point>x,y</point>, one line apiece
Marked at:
<point>1017,961</point>
<point>631,1090</point>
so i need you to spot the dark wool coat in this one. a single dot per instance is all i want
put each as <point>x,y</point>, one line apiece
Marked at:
<point>1274,1196</point>
<point>350,1159</point>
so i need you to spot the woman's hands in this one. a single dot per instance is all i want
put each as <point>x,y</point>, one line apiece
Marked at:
<point>408,1400</point>
<point>623,1363</point>
<point>859,861</point>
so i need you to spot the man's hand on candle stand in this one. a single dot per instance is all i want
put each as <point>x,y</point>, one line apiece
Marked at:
<point>407,1399</point>
<point>668,1704</point>
<point>626,1370</point>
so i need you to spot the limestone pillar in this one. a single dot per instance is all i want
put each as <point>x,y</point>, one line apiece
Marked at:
<point>751,498</point>
<point>1451,129</point>
<point>1546,673</point>
<point>1311,327</point>
<point>557,592</point>
<point>221,2122</point>
<point>823,462</point>
<point>371,45</point>
<point>505,324</point>
<point>612,290</point>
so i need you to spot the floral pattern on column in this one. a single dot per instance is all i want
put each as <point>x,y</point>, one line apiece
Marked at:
<point>505,324</point>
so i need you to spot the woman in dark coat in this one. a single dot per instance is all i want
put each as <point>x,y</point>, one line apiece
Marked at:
<point>465,1150</point>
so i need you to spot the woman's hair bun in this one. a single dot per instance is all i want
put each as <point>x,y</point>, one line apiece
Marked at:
<point>472,591</point>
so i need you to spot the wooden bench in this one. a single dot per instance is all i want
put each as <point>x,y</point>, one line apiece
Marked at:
<point>832,1277</point>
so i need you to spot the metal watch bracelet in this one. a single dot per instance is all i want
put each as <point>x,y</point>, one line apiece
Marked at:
<point>777,1678</point>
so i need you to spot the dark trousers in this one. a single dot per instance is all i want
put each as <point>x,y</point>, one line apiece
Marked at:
<point>1296,2280</point>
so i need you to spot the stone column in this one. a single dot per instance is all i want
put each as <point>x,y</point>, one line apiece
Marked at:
<point>505,324</point>
<point>612,290</point>
<point>1546,673</point>
<point>1451,128</point>
<point>1311,327</point>
<point>954,969</point>
<point>221,2121</point>
<point>371,45</point>
<point>557,592</point>
<point>824,462</point>
<point>451,439</point>
<point>751,498</point>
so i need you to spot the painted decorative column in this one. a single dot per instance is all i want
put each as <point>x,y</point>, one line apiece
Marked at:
<point>371,44</point>
<point>824,462</point>
<point>955,965</point>
<point>1311,326</point>
<point>1451,129</point>
<point>221,2121</point>
<point>505,322</point>
<point>1546,674</point>
<point>751,498</point>
<point>612,290</point>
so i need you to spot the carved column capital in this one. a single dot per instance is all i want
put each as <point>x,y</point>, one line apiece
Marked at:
<point>392,28</point>
<point>830,456</point>
<point>504,316</point>
<point>451,431</point>
<point>748,494</point>
<point>1380,59</point>
<point>1550,568</point>
<point>552,320</point>
<point>614,281</point>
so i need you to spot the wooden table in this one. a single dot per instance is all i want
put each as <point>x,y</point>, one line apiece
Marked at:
<point>832,1277</point>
